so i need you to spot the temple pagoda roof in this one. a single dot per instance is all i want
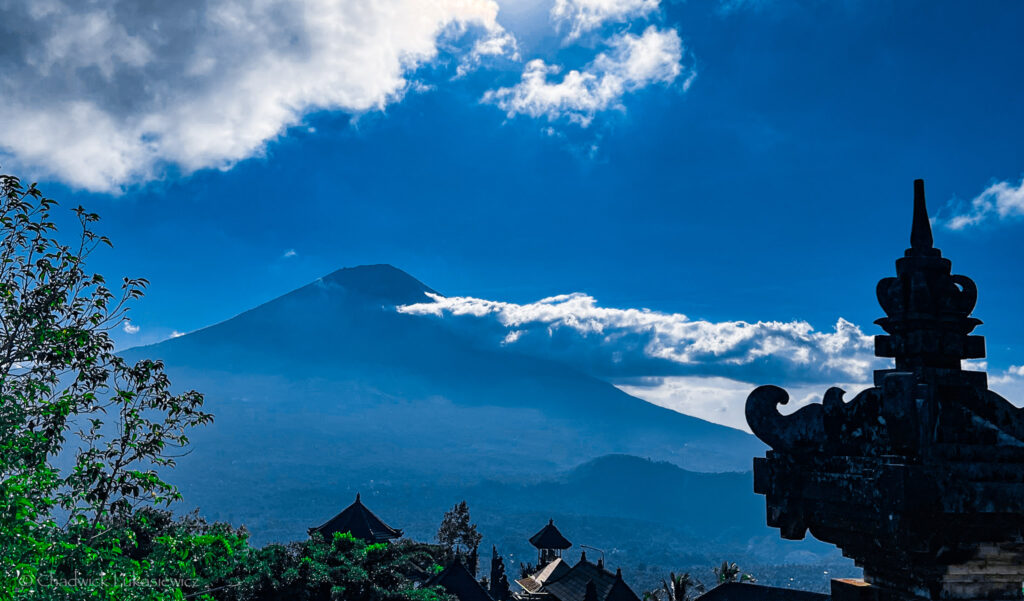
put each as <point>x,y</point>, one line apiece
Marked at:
<point>573,585</point>
<point>553,571</point>
<point>457,580</point>
<point>550,538</point>
<point>361,522</point>
<point>744,591</point>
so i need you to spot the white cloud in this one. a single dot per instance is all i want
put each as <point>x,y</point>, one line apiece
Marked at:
<point>701,368</point>
<point>1001,200</point>
<point>494,45</point>
<point>288,254</point>
<point>103,95</point>
<point>620,343</point>
<point>1009,383</point>
<point>130,329</point>
<point>587,15</point>
<point>177,334</point>
<point>632,62</point>
<point>722,400</point>
<point>1012,375</point>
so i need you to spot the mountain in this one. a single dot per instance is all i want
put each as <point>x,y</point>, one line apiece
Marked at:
<point>329,386</point>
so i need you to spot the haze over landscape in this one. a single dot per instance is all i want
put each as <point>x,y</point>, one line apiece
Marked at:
<point>337,388</point>
<point>533,254</point>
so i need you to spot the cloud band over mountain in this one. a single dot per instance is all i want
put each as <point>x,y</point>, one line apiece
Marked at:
<point>617,343</point>
<point>698,367</point>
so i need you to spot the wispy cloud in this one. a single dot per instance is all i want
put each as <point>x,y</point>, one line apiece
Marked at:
<point>101,95</point>
<point>1000,201</point>
<point>288,254</point>
<point>631,63</point>
<point>582,16</point>
<point>130,329</point>
<point>177,334</point>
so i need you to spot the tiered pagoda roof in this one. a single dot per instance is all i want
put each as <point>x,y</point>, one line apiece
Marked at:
<point>457,580</point>
<point>572,584</point>
<point>551,572</point>
<point>359,521</point>
<point>550,538</point>
<point>745,591</point>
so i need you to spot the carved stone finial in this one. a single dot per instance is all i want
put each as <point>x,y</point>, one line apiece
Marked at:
<point>921,230</point>
<point>918,478</point>
<point>927,307</point>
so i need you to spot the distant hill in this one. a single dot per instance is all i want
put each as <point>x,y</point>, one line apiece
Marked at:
<point>648,517</point>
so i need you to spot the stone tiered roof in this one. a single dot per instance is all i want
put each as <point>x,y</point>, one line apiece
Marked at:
<point>457,580</point>
<point>553,571</point>
<point>550,538</point>
<point>361,522</point>
<point>745,591</point>
<point>572,586</point>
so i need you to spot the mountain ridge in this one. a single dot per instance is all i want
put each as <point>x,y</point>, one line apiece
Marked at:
<point>328,387</point>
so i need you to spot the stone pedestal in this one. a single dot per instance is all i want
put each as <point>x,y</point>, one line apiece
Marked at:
<point>996,573</point>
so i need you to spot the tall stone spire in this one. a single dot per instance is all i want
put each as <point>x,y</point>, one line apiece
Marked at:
<point>918,479</point>
<point>927,307</point>
<point>921,230</point>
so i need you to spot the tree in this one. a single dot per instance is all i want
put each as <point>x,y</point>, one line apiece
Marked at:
<point>676,588</point>
<point>526,569</point>
<point>498,585</point>
<point>64,390</point>
<point>344,567</point>
<point>730,572</point>
<point>459,535</point>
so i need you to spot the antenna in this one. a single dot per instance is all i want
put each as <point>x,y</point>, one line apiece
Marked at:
<point>601,551</point>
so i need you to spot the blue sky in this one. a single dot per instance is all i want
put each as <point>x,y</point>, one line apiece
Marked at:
<point>729,161</point>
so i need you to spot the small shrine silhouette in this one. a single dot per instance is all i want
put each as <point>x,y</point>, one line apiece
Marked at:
<point>919,479</point>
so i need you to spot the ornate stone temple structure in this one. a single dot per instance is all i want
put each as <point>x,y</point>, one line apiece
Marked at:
<point>919,479</point>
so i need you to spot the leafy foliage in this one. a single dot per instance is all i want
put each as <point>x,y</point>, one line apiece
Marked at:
<point>527,569</point>
<point>682,587</point>
<point>460,536</point>
<point>730,572</point>
<point>342,568</point>
<point>86,437</point>
<point>60,380</point>
<point>497,582</point>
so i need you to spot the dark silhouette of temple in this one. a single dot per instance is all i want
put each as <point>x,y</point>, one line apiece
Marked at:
<point>919,479</point>
<point>360,522</point>
<point>549,543</point>
<point>556,580</point>
<point>457,580</point>
<point>745,591</point>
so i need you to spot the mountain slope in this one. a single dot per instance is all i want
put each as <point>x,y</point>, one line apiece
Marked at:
<point>329,385</point>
